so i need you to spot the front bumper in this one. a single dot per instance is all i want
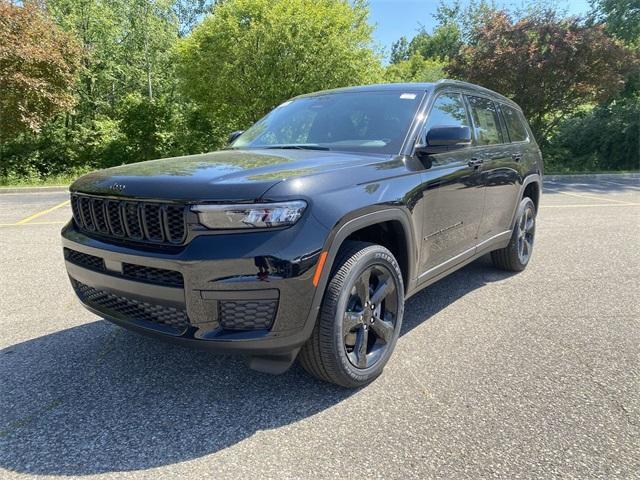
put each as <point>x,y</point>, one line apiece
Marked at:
<point>250,293</point>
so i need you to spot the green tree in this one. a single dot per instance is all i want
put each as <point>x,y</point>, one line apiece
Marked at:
<point>621,18</point>
<point>38,66</point>
<point>443,43</point>
<point>606,137</point>
<point>399,50</point>
<point>415,69</point>
<point>126,44</point>
<point>189,13</point>
<point>250,55</point>
<point>549,66</point>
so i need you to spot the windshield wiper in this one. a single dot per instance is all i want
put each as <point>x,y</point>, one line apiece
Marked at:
<point>297,147</point>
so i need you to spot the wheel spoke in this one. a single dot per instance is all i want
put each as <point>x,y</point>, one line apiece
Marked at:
<point>349,321</point>
<point>529,225</point>
<point>362,286</point>
<point>384,288</point>
<point>383,329</point>
<point>360,348</point>
<point>523,221</point>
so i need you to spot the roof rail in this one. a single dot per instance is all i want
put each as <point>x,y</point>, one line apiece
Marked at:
<point>472,86</point>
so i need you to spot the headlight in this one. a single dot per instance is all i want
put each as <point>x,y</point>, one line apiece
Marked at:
<point>251,215</point>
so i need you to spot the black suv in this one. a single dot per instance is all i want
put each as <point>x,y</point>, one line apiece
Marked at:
<point>305,236</point>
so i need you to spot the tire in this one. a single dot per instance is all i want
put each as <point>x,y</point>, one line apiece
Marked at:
<point>516,255</point>
<point>352,341</point>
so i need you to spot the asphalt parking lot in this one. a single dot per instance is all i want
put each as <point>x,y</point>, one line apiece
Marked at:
<point>495,375</point>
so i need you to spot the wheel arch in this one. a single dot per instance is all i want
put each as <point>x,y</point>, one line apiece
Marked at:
<point>531,183</point>
<point>358,222</point>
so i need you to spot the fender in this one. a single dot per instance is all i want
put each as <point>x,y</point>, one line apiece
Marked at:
<point>346,227</point>
<point>531,178</point>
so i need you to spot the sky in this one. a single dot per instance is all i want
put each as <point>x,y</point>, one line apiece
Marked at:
<point>394,18</point>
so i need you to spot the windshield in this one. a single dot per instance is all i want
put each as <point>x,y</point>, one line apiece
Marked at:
<point>373,122</point>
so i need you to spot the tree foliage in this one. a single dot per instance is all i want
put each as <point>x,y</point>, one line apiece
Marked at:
<point>127,46</point>
<point>620,17</point>
<point>606,137</point>
<point>442,44</point>
<point>250,55</point>
<point>399,50</point>
<point>38,66</point>
<point>415,69</point>
<point>94,83</point>
<point>549,66</point>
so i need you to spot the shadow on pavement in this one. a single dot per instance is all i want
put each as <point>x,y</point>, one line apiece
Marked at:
<point>97,398</point>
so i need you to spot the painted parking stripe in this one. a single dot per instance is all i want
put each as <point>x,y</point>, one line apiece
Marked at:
<point>590,197</point>
<point>30,223</point>
<point>598,205</point>
<point>43,212</point>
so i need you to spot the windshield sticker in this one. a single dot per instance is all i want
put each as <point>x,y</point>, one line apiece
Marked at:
<point>408,96</point>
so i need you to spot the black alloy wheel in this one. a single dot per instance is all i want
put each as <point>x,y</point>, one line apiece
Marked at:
<point>360,317</point>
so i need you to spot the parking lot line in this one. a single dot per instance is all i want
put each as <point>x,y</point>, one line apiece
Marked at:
<point>591,197</point>
<point>43,212</point>
<point>30,223</point>
<point>593,205</point>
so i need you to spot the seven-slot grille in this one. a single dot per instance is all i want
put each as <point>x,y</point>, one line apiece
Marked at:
<point>130,220</point>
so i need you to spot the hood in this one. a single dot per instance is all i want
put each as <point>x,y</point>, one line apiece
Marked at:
<point>227,175</point>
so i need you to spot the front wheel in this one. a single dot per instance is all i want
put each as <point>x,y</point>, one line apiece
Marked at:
<point>360,318</point>
<point>516,255</point>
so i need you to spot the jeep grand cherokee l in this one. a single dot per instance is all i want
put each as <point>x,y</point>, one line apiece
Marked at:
<point>307,234</point>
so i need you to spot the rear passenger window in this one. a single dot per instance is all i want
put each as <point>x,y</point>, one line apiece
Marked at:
<point>486,121</point>
<point>515,127</point>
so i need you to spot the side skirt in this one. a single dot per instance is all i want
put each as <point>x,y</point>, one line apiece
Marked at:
<point>439,272</point>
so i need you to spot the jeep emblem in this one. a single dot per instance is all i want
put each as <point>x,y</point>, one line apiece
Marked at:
<point>117,187</point>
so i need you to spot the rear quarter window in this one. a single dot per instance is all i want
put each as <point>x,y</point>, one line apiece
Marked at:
<point>515,124</point>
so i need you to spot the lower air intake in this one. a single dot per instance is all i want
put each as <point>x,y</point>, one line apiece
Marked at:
<point>247,314</point>
<point>130,309</point>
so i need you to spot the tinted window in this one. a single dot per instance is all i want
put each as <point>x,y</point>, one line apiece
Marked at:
<point>486,121</point>
<point>447,111</point>
<point>375,122</point>
<point>515,127</point>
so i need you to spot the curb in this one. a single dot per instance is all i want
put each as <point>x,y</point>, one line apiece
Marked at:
<point>53,189</point>
<point>591,176</point>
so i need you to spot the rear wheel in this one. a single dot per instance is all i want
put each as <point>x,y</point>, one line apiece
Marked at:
<point>515,256</point>
<point>360,317</point>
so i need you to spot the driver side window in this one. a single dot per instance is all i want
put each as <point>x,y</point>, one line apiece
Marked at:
<point>448,110</point>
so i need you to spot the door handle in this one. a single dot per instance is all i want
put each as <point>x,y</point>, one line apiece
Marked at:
<point>475,162</point>
<point>516,156</point>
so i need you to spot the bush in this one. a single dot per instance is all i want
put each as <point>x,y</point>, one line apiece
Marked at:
<point>604,138</point>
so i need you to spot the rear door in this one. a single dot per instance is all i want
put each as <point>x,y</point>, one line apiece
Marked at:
<point>499,170</point>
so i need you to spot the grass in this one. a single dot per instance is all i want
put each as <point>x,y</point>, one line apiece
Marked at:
<point>38,181</point>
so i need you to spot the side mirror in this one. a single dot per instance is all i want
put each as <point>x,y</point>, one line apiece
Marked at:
<point>234,135</point>
<point>442,139</point>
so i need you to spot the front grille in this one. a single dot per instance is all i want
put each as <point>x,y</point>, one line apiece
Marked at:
<point>247,314</point>
<point>130,220</point>
<point>158,276</point>
<point>131,309</point>
<point>84,260</point>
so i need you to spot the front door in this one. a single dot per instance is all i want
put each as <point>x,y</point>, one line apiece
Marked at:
<point>453,195</point>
